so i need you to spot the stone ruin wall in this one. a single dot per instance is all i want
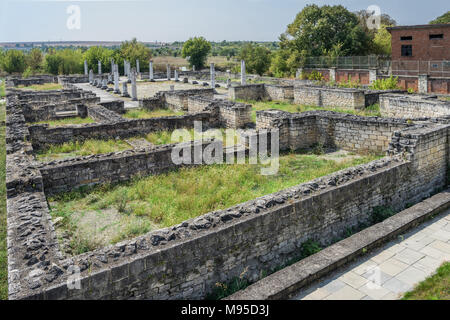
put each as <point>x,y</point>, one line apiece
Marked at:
<point>186,261</point>
<point>413,107</point>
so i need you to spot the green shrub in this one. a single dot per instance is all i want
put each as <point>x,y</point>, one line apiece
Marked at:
<point>379,214</point>
<point>390,83</point>
<point>27,73</point>
<point>309,248</point>
<point>313,76</point>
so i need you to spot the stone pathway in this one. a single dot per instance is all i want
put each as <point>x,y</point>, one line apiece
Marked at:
<point>390,271</point>
<point>106,96</point>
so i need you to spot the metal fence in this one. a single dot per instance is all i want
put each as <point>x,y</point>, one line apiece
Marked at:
<point>351,62</point>
<point>433,68</point>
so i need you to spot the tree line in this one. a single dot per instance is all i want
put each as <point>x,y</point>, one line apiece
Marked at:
<point>331,31</point>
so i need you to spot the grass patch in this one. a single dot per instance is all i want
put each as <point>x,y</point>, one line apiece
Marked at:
<point>436,287</point>
<point>2,89</point>
<point>66,121</point>
<point>168,199</point>
<point>371,111</point>
<point>145,114</point>
<point>3,251</point>
<point>42,87</point>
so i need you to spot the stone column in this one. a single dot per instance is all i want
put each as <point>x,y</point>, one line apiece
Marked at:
<point>176,75</point>
<point>243,76</point>
<point>125,90</point>
<point>193,68</point>
<point>133,84</point>
<point>138,69</point>
<point>298,73</point>
<point>332,74</point>
<point>213,76</point>
<point>168,72</point>
<point>423,83</point>
<point>373,75</point>
<point>151,76</point>
<point>99,67</point>
<point>124,67</point>
<point>228,83</point>
<point>172,88</point>
<point>86,68</point>
<point>91,77</point>
<point>116,79</point>
<point>104,84</point>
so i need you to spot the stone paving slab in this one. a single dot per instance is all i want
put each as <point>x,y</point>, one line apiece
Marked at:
<point>392,270</point>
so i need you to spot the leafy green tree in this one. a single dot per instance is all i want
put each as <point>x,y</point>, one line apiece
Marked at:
<point>197,49</point>
<point>35,60</point>
<point>14,61</point>
<point>132,51</point>
<point>382,42</point>
<point>95,54</point>
<point>257,58</point>
<point>317,31</point>
<point>67,61</point>
<point>445,18</point>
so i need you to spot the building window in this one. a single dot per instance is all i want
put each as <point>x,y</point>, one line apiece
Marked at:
<point>406,38</point>
<point>406,51</point>
<point>436,36</point>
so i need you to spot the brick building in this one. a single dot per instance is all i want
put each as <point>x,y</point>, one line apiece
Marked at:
<point>422,42</point>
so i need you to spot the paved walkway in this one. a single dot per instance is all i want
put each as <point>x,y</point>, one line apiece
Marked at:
<point>390,271</point>
<point>106,96</point>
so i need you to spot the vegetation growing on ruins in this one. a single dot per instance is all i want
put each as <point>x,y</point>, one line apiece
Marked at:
<point>371,111</point>
<point>42,87</point>
<point>436,287</point>
<point>145,114</point>
<point>168,199</point>
<point>66,121</point>
<point>2,88</point>
<point>390,83</point>
<point>3,249</point>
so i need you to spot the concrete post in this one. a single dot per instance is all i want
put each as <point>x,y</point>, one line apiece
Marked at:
<point>332,74</point>
<point>125,90</point>
<point>91,77</point>
<point>228,83</point>
<point>243,76</point>
<point>151,75</point>
<point>99,67</point>
<point>116,79</point>
<point>298,73</point>
<point>124,67</point>
<point>213,76</point>
<point>168,72</point>
<point>193,68</point>
<point>104,84</point>
<point>86,68</point>
<point>423,83</point>
<point>138,69</point>
<point>373,75</point>
<point>176,75</point>
<point>133,84</point>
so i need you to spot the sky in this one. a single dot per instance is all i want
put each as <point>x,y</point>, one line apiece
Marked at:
<point>178,20</point>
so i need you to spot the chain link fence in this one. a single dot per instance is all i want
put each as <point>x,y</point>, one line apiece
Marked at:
<point>439,69</point>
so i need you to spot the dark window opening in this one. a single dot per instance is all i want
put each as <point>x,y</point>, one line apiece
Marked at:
<point>406,51</point>
<point>436,36</point>
<point>406,38</point>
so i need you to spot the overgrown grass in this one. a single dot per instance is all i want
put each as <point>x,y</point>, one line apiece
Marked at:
<point>168,199</point>
<point>2,89</point>
<point>3,251</point>
<point>76,149</point>
<point>145,114</point>
<point>66,121</point>
<point>371,111</point>
<point>436,287</point>
<point>42,87</point>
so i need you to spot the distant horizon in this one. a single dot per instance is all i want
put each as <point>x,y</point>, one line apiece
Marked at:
<point>177,20</point>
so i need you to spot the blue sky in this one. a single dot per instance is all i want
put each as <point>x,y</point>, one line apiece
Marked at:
<point>171,20</point>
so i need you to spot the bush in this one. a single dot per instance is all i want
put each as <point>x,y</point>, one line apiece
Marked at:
<point>13,61</point>
<point>390,83</point>
<point>27,73</point>
<point>313,76</point>
<point>379,214</point>
<point>309,248</point>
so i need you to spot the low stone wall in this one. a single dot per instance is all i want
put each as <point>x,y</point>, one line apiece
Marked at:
<point>329,97</point>
<point>41,79</point>
<point>178,100</point>
<point>117,106</point>
<point>247,92</point>
<point>280,92</point>
<point>412,106</point>
<point>103,115</point>
<point>75,78</point>
<point>42,135</point>
<point>330,129</point>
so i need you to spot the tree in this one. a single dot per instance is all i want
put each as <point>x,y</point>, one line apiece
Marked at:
<point>67,61</point>
<point>95,54</point>
<point>445,18</point>
<point>14,61</point>
<point>382,41</point>
<point>34,60</point>
<point>132,51</point>
<point>257,58</point>
<point>197,49</point>
<point>318,30</point>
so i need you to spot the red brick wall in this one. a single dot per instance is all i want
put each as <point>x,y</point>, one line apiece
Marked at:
<point>423,48</point>
<point>439,86</point>
<point>356,75</point>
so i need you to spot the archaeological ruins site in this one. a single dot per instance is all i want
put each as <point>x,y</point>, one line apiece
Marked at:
<point>58,249</point>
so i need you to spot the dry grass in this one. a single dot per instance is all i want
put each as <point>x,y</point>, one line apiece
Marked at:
<point>66,121</point>
<point>145,114</point>
<point>42,87</point>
